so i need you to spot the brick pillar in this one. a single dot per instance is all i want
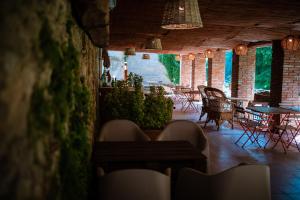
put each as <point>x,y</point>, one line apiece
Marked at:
<point>276,73</point>
<point>186,70</point>
<point>218,70</point>
<point>235,74</point>
<point>247,74</point>
<point>291,78</point>
<point>200,71</point>
<point>209,71</point>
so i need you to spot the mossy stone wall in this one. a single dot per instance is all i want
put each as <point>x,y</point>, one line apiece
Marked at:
<point>47,101</point>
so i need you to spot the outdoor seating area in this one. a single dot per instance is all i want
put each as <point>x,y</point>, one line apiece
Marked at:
<point>150,100</point>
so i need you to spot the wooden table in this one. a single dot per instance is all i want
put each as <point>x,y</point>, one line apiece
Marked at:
<point>174,154</point>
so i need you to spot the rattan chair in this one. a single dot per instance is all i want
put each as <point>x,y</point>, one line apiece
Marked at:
<point>220,108</point>
<point>204,109</point>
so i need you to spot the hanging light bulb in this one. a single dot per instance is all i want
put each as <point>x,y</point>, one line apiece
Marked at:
<point>208,53</point>
<point>290,42</point>
<point>241,50</point>
<point>177,57</point>
<point>191,56</point>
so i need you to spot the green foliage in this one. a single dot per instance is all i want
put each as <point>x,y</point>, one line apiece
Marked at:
<point>158,109</point>
<point>172,66</point>
<point>122,103</point>
<point>228,67</point>
<point>62,111</point>
<point>263,68</point>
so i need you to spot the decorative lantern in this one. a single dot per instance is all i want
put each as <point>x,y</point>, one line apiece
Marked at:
<point>146,56</point>
<point>209,53</point>
<point>191,56</point>
<point>181,14</point>
<point>153,44</point>
<point>130,51</point>
<point>177,57</point>
<point>241,50</point>
<point>290,43</point>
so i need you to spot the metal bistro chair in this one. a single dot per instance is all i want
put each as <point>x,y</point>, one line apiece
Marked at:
<point>220,108</point>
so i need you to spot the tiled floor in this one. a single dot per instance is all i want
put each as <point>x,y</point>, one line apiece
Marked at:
<point>285,168</point>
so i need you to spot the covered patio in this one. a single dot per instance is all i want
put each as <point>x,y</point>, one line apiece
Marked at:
<point>68,125</point>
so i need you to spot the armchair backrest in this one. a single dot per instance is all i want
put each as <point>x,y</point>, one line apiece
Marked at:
<point>121,130</point>
<point>214,93</point>
<point>203,95</point>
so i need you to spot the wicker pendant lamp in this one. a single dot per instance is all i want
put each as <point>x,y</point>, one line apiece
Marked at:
<point>209,53</point>
<point>146,56</point>
<point>290,43</point>
<point>129,51</point>
<point>181,14</point>
<point>241,50</point>
<point>153,44</point>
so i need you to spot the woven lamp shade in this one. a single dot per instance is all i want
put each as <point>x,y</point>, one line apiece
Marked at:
<point>181,14</point>
<point>209,53</point>
<point>129,51</point>
<point>146,56</point>
<point>290,43</point>
<point>241,50</point>
<point>153,44</point>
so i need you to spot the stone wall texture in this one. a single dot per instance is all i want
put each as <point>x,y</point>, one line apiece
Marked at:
<point>218,70</point>
<point>25,173</point>
<point>246,74</point>
<point>291,78</point>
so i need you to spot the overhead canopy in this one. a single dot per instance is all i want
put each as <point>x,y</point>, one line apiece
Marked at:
<point>226,23</point>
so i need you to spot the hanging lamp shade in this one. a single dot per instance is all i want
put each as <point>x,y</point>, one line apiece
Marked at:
<point>290,43</point>
<point>153,44</point>
<point>181,14</point>
<point>146,56</point>
<point>209,53</point>
<point>191,56</point>
<point>129,51</point>
<point>241,50</point>
<point>177,57</point>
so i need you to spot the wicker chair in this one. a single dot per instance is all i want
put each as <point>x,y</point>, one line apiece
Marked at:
<point>204,108</point>
<point>220,109</point>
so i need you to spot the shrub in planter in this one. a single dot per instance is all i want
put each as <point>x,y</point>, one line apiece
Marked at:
<point>157,109</point>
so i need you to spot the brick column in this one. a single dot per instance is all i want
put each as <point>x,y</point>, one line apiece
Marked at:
<point>185,71</point>
<point>246,76</point>
<point>291,78</point>
<point>235,74</point>
<point>200,72</point>
<point>276,73</point>
<point>218,70</point>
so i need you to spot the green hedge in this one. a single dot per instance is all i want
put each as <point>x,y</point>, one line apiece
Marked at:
<point>151,112</point>
<point>172,66</point>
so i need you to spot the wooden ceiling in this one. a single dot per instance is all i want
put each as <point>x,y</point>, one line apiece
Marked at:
<point>226,23</point>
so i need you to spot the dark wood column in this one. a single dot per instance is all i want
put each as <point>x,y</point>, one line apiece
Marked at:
<point>276,73</point>
<point>193,74</point>
<point>235,74</point>
<point>209,81</point>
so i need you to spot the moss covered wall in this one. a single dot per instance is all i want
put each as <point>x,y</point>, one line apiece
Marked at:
<point>47,101</point>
